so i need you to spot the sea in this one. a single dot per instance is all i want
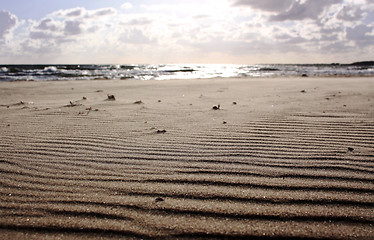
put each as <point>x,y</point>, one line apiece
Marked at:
<point>60,72</point>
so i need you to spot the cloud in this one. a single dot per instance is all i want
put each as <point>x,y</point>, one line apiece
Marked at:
<point>72,28</point>
<point>236,30</point>
<point>126,5</point>
<point>7,22</point>
<point>70,13</point>
<point>82,13</point>
<point>136,21</point>
<point>309,9</point>
<point>47,24</point>
<point>103,12</point>
<point>289,9</point>
<point>75,12</point>
<point>266,5</point>
<point>136,37</point>
<point>351,13</point>
<point>361,35</point>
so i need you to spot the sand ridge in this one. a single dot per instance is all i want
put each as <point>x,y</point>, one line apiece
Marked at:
<point>281,158</point>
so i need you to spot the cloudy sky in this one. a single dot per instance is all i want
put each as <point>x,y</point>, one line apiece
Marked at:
<point>186,31</point>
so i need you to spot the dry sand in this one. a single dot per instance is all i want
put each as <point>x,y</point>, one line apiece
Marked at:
<point>274,161</point>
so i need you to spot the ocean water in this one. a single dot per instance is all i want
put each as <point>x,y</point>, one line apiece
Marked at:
<point>52,72</point>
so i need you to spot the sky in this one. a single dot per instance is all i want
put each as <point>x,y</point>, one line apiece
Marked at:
<point>186,31</point>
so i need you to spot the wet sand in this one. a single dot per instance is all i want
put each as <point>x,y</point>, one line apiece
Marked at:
<point>281,158</point>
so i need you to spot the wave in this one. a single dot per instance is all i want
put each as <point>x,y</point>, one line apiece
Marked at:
<point>177,71</point>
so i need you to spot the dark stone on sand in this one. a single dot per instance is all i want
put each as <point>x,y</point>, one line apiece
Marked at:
<point>234,103</point>
<point>303,91</point>
<point>350,149</point>
<point>161,131</point>
<point>304,75</point>
<point>224,122</point>
<point>138,102</point>
<point>216,107</point>
<point>111,97</point>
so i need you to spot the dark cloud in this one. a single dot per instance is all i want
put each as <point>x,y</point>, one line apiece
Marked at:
<point>47,24</point>
<point>40,35</point>
<point>103,12</point>
<point>75,12</point>
<point>289,9</point>
<point>266,5</point>
<point>7,21</point>
<point>310,9</point>
<point>360,34</point>
<point>72,28</point>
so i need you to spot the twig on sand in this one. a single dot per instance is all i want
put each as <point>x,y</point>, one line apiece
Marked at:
<point>159,199</point>
<point>73,104</point>
<point>138,102</point>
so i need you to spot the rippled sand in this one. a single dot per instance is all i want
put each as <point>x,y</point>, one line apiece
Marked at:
<point>281,158</point>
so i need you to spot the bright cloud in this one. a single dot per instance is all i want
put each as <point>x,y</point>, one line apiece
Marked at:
<point>126,5</point>
<point>206,31</point>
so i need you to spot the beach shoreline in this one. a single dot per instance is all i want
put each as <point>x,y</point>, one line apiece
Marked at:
<point>213,158</point>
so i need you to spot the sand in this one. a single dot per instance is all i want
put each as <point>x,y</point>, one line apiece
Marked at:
<point>281,158</point>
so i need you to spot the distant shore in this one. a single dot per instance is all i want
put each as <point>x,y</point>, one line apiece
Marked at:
<point>282,158</point>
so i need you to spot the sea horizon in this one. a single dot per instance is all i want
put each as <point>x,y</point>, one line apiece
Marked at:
<point>51,72</point>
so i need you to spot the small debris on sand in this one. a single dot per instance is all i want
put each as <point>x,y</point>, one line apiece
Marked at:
<point>304,75</point>
<point>234,103</point>
<point>161,131</point>
<point>303,91</point>
<point>111,97</point>
<point>138,102</point>
<point>350,149</point>
<point>100,90</point>
<point>224,122</point>
<point>84,98</point>
<point>159,100</point>
<point>216,107</point>
<point>73,104</point>
<point>159,199</point>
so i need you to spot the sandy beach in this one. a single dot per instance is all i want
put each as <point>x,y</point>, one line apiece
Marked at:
<point>279,158</point>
